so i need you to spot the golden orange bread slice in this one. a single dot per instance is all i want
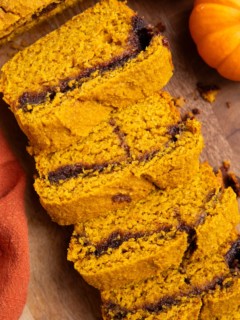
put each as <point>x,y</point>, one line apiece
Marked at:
<point>153,235</point>
<point>138,149</point>
<point>19,16</point>
<point>205,288</point>
<point>69,81</point>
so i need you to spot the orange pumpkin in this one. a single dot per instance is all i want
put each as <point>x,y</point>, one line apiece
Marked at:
<point>215,28</point>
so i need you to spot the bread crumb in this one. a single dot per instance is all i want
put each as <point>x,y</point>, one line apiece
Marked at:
<point>230,179</point>
<point>179,102</point>
<point>208,92</point>
<point>188,115</point>
<point>196,111</point>
<point>228,104</point>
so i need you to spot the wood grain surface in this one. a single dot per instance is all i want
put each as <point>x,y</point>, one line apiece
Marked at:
<point>56,291</point>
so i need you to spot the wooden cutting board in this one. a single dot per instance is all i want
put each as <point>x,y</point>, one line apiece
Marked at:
<point>56,291</point>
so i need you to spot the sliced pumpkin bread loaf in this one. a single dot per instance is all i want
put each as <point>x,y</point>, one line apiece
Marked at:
<point>120,162</point>
<point>19,16</point>
<point>153,235</point>
<point>71,79</point>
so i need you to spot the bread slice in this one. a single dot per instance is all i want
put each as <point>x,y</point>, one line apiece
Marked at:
<point>18,16</point>
<point>153,235</point>
<point>206,288</point>
<point>138,149</point>
<point>60,87</point>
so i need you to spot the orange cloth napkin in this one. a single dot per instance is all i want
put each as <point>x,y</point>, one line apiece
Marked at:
<point>14,250</point>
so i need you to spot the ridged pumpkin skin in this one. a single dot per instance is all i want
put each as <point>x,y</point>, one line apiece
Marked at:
<point>215,28</point>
